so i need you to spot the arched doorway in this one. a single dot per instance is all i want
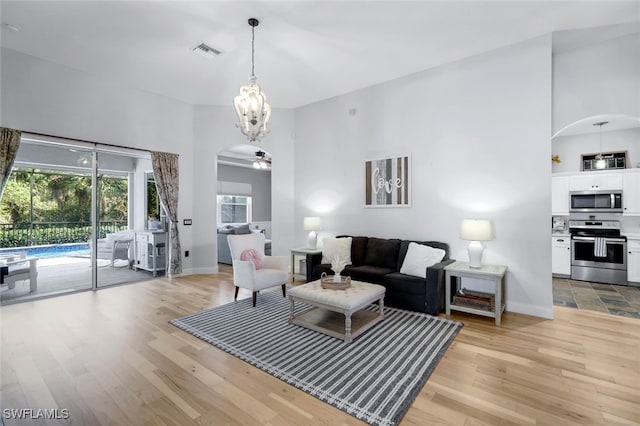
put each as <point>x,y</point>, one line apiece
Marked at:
<point>243,201</point>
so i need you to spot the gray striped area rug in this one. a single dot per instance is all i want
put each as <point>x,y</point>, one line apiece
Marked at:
<point>374,378</point>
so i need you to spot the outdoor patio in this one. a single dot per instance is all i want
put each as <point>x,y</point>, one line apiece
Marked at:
<point>58,275</point>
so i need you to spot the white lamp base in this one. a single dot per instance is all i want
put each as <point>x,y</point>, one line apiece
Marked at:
<point>313,240</point>
<point>475,250</point>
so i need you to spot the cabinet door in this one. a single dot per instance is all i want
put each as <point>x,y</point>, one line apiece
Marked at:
<point>582,182</point>
<point>560,195</point>
<point>633,261</point>
<point>604,180</point>
<point>608,181</point>
<point>631,193</point>
<point>561,255</point>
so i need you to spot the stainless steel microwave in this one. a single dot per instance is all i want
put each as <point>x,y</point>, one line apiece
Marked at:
<point>600,201</point>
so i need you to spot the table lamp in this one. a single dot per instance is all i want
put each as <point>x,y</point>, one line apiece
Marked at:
<point>476,230</point>
<point>312,224</point>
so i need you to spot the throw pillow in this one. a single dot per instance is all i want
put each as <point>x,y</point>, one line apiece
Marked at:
<point>332,247</point>
<point>419,257</point>
<point>252,256</point>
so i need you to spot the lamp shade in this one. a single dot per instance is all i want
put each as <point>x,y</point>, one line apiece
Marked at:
<point>476,230</point>
<point>311,223</point>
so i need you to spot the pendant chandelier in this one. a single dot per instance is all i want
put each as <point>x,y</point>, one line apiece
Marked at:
<point>601,163</point>
<point>251,104</point>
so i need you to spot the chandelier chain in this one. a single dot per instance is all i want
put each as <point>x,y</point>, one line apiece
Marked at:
<point>253,37</point>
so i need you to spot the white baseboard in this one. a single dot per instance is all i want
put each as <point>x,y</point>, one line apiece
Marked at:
<point>533,310</point>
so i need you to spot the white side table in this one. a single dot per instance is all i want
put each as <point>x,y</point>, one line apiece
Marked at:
<point>300,252</point>
<point>495,273</point>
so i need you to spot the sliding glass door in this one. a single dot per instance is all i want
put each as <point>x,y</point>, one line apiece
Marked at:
<point>115,235</point>
<point>78,209</point>
<point>45,221</point>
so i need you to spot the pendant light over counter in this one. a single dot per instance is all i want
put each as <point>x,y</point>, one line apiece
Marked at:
<point>600,161</point>
<point>251,104</point>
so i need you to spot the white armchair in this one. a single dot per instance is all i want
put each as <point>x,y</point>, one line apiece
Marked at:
<point>20,268</point>
<point>273,271</point>
<point>115,246</point>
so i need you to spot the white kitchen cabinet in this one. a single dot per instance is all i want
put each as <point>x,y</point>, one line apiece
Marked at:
<point>561,255</point>
<point>633,261</point>
<point>150,251</point>
<point>603,180</point>
<point>631,193</point>
<point>560,195</point>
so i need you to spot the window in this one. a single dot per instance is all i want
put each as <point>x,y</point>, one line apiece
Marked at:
<point>234,209</point>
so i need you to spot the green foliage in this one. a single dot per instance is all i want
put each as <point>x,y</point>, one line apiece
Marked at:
<point>39,197</point>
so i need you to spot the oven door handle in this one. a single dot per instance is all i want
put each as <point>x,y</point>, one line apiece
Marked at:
<point>609,240</point>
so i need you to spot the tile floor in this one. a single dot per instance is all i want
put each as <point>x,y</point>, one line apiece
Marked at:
<point>613,299</point>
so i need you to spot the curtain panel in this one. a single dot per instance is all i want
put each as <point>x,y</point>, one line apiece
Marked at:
<point>9,143</point>
<point>165,171</point>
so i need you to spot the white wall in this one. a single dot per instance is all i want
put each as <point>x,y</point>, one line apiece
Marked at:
<point>478,131</point>
<point>43,97</point>
<point>597,79</point>
<point>570,148</point>
<point>215,131</point>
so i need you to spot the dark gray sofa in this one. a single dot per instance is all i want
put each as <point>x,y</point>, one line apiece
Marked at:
<point>378,261</point>
<point>224,253</point>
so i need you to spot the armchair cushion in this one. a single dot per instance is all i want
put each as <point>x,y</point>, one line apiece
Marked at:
<point>253,256</point>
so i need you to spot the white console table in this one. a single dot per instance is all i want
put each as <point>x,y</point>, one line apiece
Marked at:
<point>150,251</point>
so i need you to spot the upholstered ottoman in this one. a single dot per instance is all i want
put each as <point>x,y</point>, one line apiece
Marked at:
<point>331,305</point>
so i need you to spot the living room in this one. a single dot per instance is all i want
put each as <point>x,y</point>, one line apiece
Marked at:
<point>477,128</point>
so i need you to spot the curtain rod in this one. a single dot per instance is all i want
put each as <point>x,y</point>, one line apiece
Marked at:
<point>85,141</point>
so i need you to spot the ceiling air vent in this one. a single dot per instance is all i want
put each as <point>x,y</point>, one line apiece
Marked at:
<point>207,51</point>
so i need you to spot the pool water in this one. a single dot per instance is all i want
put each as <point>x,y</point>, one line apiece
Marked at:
<point>54,250</point>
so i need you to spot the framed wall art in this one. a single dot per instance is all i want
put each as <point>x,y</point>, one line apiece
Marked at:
<point>387,182</point>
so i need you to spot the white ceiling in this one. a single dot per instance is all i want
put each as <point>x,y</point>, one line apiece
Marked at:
<point>305,51</point>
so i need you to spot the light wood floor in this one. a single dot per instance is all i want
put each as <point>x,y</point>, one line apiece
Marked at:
<point>110,357</point>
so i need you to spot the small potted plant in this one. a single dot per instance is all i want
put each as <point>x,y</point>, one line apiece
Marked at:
<point>337,266</point>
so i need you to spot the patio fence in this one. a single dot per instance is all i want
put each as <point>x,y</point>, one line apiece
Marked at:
<point>43,233</point>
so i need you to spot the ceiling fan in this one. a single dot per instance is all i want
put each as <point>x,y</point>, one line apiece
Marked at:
<point>261,161</point>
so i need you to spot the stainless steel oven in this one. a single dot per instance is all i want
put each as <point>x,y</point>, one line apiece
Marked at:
<point>598,252</point>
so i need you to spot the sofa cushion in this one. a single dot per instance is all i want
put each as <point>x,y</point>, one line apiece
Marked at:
<point>402,283</point>
<point>336,247</point>
<point>366,273</point>
<point>382,253</point>
<point>358,250</point>
<point>241,229</point>
<point>419,257</point>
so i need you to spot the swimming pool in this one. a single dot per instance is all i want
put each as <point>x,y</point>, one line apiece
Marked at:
<point>52,250</point>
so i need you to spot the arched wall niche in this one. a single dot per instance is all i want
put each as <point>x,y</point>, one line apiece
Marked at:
<point>620,134</point>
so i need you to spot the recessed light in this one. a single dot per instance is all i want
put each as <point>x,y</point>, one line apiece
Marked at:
<point>11,27</point>
<point>207,51</point>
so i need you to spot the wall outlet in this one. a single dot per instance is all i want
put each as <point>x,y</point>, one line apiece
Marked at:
<point>186,253</point>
